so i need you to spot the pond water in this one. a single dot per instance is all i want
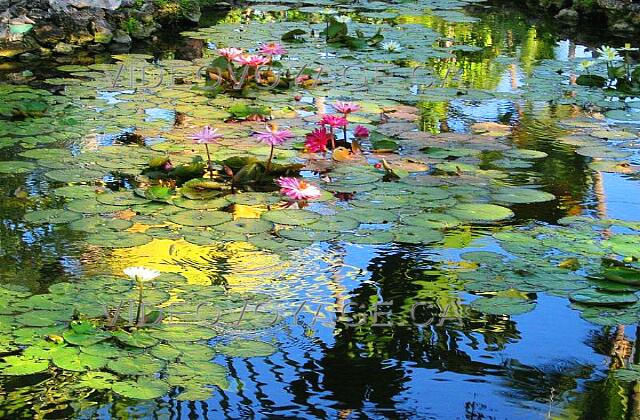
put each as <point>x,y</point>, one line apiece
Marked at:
<point>451,268</point>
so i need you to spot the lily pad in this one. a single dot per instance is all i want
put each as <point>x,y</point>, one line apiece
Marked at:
<point>601,298</point>
<point>16,167</point>
<point>503,305</point>
<point>522,196</point>
<point>292,217</point>
<point>142,388</point>
<point>482,213</point>
<point>246,348</point>
<point>200,217</point>
<point>51,216</point>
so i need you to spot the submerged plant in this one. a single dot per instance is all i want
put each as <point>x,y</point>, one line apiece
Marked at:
<point>140,275</point>
<point>298,189</point>
<point>207,136</point>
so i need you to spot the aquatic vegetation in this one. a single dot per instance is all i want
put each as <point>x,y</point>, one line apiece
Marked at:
<point>273,137</point>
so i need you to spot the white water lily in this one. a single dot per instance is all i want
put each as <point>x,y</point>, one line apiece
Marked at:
<point>391,46</point>
<point>342,19</point>
<point>585,64</point>
<point>141,274</point>
<point>608,54</point>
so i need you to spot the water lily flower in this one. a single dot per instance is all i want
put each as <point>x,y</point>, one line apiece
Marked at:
<point>391,46</point>
<point>251,60</point>
<point>608,54</point>
<point>333,121</point>
<point>298,189</point>
<point>342,19</point>
<point>585,64</point>
<point>207,135</point>
<point>272,136</point>
<point>317,140</point>
<point>361,132</point>
<point>272,48</point>
<point>346,107</point>
<point>230,53</point>
<point>141,274</point>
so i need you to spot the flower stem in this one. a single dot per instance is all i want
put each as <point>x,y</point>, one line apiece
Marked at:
<point>209,165</point>
<point>333,139</point>
<point>268,168</point>
<point>140,291</point>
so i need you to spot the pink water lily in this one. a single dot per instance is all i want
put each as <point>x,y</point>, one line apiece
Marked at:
<point>361,132</point>
<point>346,107</point>
<point>333,121</point>
<point>207,135</point>
<point>230,53</point>
<point>298,189</point>
<point>317,140</point>
<point>272,48</point>
<point>273,136</point>
<point>251,60</point>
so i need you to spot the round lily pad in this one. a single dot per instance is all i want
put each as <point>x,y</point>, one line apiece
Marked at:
<point>125,239</point>
<point>75,191</point>
<point>416,235</point>
<point>75,175</point>
<point>95,224</point>
<point>430,220</point>
<point>19,366</point>
<point>335,223</point>
<point>480,212</point>
<point>91,206</point>
<point>302,234</point>
<point>141,389</point>
<point>200,217</point>
<point>16,167</point>
<point>70,358</point>
<point>135,365</point>
<point>293,217</point>
<point>51,216</point>
<point>600,298</point>
<point>246,348</point>
<point>123,198</point>
<point>245,226</point>
<point>522,196</point>
<point>503,305</point>
<point>525,154</point>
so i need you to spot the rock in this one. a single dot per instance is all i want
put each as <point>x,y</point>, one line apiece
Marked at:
<point>622,27</point>
<point>12,49</point>
<point>102,32</point>
<point>121,37</point>
<point>64,48</point>
<point>48,34</point>
<point>96,4</point>
<point>26,57</point>
<point>567,15</point>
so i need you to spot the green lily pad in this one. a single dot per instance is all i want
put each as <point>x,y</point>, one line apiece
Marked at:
<point>20,366</point>
<point>91,206</point>
<point>430,220</point>
<point>200,217</point>
<point>136,365</point>
<point>75,191</point>
<point>301,234</point>
<point>245,226</point>
<point>137,339</point>
<point>142,388</point>
<point>522,196</point>
<point>246,348</point>
<point>75,175</point>
<point>121,199</point>
<point>413,235</point>
<point>70,358</point>
<point>16,167</point>
<point>51,216</point>
<point>601,298</point>
<point>96,224</point>
<point>482,213</point>
<point>502,305</point>
<point>292,217</point>
<point>97,380</point>
<point>118,239</point>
